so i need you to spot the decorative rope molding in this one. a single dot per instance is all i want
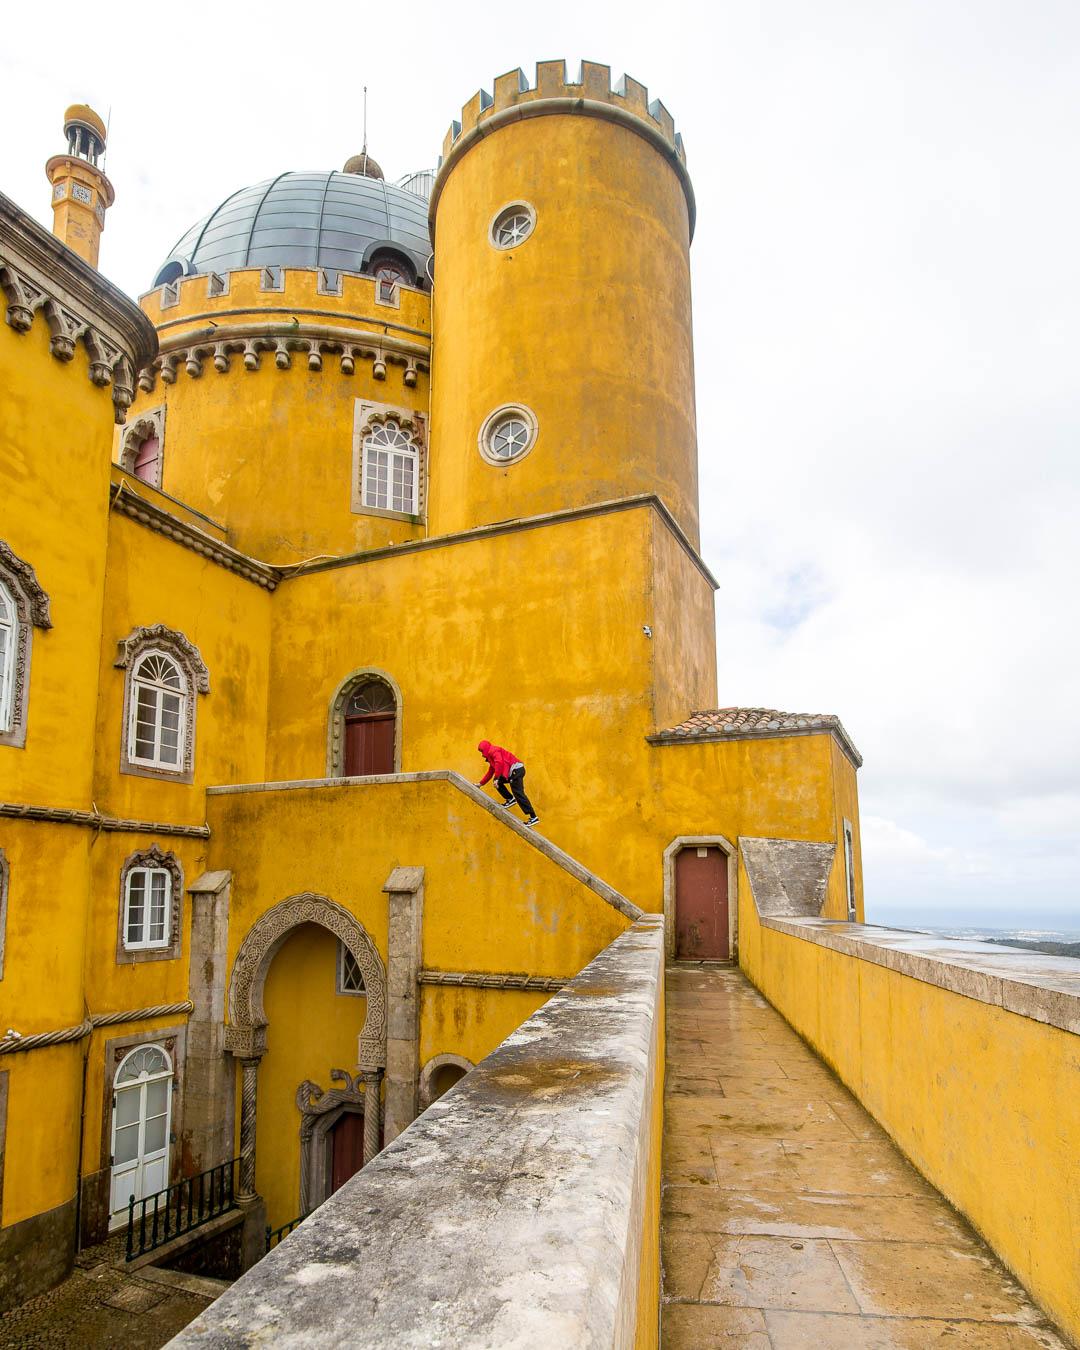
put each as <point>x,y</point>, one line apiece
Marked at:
<point>11,1043</point>
<point>94,820</point>
<point>128,502</point>
<point>249,341</point>
<point>476,979</point>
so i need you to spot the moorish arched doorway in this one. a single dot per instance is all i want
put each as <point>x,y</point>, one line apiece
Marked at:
<point>245,1034</point>
<point>365,726</point>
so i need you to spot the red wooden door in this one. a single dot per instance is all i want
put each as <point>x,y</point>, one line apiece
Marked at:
<point>146,460</point>
<point>701,904</point>
<point>347,1148</point>
<point>369,745</point>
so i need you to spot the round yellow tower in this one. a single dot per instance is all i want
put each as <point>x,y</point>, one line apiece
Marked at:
<point>563,363</point>
<point>81,194</point>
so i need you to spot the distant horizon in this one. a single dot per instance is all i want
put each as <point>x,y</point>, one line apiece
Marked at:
<point>1017,917</point>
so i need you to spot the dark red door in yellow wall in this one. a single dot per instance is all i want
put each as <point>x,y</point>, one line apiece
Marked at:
<point>701,905</point>
<point>347,1148</point>
<point>369,745</point>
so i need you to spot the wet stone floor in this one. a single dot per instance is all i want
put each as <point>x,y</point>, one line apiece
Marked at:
<point>789,1218</point>
<point>102,1304</point>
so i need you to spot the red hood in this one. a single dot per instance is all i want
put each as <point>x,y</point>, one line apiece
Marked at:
<point>484,747</point>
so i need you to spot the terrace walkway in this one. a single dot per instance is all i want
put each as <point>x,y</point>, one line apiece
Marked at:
<point>789,1218</point>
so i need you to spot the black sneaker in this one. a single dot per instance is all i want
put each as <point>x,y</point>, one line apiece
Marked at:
<point>507,804</point>
<point>534,821</point>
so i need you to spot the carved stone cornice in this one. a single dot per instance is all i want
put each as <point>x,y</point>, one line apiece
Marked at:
<point>39,274</point>
<point>248,342</point>
<point>478,979</point>
<point>156,518</point>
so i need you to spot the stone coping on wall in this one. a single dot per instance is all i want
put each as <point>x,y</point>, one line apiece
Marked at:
<point>557,855</point>
<point>1030,984</point>
<point>510,1214</point>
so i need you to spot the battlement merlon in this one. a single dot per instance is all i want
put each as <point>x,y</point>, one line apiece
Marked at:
<point>592,92</point>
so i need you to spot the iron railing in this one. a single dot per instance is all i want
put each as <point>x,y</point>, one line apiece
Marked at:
<point>275,1235</point>
<point>178,1209</point>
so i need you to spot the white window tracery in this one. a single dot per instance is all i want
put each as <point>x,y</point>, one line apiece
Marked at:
<point>391,468</point>
<point>158,709</point>
<point>24,606</point>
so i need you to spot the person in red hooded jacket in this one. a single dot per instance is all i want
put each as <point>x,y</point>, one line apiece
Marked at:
<point>507,770</point>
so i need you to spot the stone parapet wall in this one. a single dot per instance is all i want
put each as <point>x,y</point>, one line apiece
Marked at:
<point>967,1054</point>
<point>518,1210</point>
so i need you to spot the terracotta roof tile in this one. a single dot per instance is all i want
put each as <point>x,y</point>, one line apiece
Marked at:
<point>731,723</point>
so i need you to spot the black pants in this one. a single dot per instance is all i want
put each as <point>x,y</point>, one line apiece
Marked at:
<point>517,790</point>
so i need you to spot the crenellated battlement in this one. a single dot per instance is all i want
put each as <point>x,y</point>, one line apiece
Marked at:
<point>593,85</point>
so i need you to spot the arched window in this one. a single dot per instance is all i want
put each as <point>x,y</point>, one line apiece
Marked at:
<point>165,671</point>
<point>9,641</point>
<point>391,468</point>
<point>365,727</point>
<point>151,897</point>
<point>142,1113</point>
<point>157,712</point>
<point>390,271</point>
<point>24,606</point>
<point>141,446</point>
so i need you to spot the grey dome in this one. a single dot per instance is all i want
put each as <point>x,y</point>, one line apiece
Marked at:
<point>333,220</point>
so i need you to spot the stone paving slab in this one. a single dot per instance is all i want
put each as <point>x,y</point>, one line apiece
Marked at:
<point>101,1304</point>
<point>790,1220</point>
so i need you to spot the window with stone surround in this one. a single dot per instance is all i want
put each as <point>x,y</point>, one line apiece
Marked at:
<point>142,444</point>
<point>24,606</point>
<point>4,880</point>
<point>151,895</point>
<point>388,461</point>
<point>165,672</point>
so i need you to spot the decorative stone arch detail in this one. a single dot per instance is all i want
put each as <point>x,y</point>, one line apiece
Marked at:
<point>31,611</point>
<point>432,1067</point>
<point>319,1112</point>
<point>149,423</point>
<point>335,747</point>
<point>157,637</point>
<point>245,1036</point>
<point>368,415</point>
<point>152,857</point>
<point>700,841</point>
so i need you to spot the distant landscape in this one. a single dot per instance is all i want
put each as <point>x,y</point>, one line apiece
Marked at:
<point>1053,935</point>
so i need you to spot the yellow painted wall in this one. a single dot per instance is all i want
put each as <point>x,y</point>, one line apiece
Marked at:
<point>471,1022</point>
<point>151,580</point>
<point>269,452</point>
<point>55,438</point>
<point>978,1098</point>
<point>559,670</point>
<point>683,625</point>
<point>312,1029</point>
<point>587,322</point>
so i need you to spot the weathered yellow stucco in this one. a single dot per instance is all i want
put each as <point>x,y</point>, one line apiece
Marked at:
<point>976,1096</point>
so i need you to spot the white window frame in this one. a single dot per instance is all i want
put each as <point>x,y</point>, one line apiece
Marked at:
<point>367,419</point>
<point>157,761</point>
<point>147,943</point>
<point>402,453</point>
<point>9,626</point>
<point>495,420</point>
<point>502,217</point>
<point>348,993</point>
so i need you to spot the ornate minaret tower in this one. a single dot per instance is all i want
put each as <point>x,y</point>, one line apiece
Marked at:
<point>81,192</point>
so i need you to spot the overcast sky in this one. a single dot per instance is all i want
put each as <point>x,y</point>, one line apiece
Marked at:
<point>886,295</point>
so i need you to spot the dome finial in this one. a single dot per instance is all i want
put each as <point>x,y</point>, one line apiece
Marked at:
<point>362,164</point>
<point>81,194</point>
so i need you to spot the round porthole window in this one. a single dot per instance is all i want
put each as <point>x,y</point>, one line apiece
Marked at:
<point>508,434</point>
<point>512,225</point>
